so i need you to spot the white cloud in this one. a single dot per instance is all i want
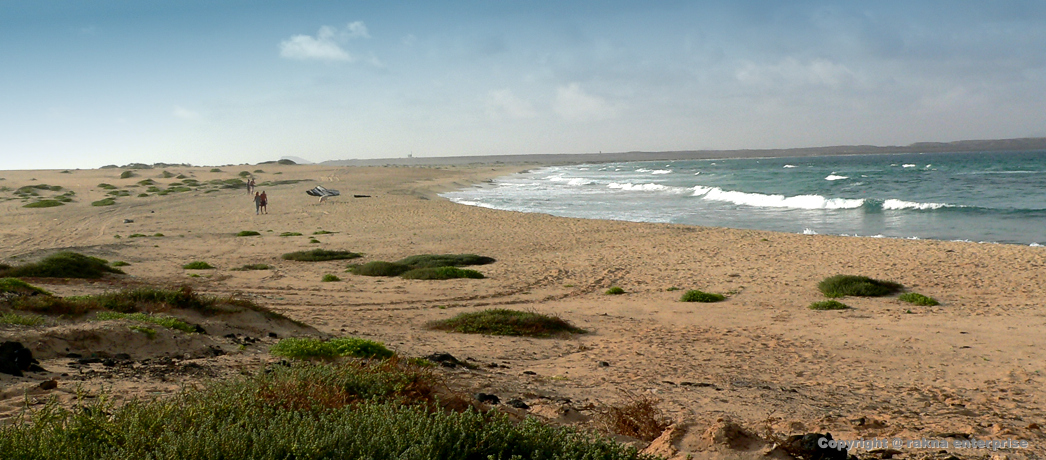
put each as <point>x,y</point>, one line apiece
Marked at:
<point>326,45</point>
<point>790,72</point>
<point>572,103</point>
<point>502,103</point>
<point>185,114</point>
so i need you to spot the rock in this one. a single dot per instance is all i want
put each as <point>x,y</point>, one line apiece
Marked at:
<point>530,373</point>
<point>49,384</point>
<point>272,335</point>
<point>487,398</point>
<point>446,360</point>
<point>73,355</point>
<point>518,404</point>
<point>128,221</point>
<point>604,364</point>
<point>805,446</point>
<point>15,358</point>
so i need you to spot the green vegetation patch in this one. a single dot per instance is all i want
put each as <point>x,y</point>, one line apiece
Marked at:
<point>106,186</point>
<point>169,322</point>
<point>119,263</point>
<point>244,174</point>
<point>252,267</point>
<point>379,268</point>
<point>44,204</point>
<point>149,332</point>
<point>290,234</point>
<point>322,232</point>
<point>248,233</point>
<point>127,174</point>
<point>104,202</point>
<point>441,273</point>
<point>318,255</point>
<point>19,287</point>
<point>198,265</point>
<point>308,347</point>
<point>147,299</point>
<point>828,305</point>
<point>506,322</point>
<point>328,278</point>
<point>918,299</point>
<point>701,296</point>
<point>614,290</point>
<point>863,286</point>
<point>445,260</point>
<point>62,265</point>
<point>216,170</point>
<point>21,319</point>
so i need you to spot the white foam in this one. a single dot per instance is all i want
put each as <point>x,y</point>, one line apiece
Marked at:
<point>661,171</point>
<point>807,231</point>
<point>1035,245</point>
<point>833,176</point>
<point>776,201</point>
<point>900,204</point>
<point>789,166</point>
<point>643,170</point>
<point>638,187</point>
<point>907,166</point>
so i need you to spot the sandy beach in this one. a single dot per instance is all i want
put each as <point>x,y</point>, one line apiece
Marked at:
<point>972,367</point>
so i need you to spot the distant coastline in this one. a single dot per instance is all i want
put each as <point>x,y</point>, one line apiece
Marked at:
<point>993,145</point>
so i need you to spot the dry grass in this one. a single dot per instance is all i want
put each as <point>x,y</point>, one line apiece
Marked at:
<point>639,418</point>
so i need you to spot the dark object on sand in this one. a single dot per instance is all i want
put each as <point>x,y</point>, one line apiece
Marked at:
<point>15,358</point>
<point>488,398</point>
<point>806,447</point>
<point>322,192</point>
<point>445,360</point>
<point>361,196</point>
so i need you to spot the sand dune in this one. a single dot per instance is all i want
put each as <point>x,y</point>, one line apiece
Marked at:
<point>973,366</point>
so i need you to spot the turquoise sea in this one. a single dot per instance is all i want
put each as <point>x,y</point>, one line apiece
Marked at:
<point>995,197</point>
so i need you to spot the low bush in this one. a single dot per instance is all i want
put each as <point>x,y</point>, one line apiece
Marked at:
<point>198,265</point>
<point>614,290</point>
<point>440,273</point>
<point>863,286</point>
<point>828,305</point>
<point>290,234</point>
<point>248,233</point>
<point>43,204</point>
<point>506,322</point>
<point>106,186</point>
<point>328,278</point>
<point>252,267</point>
<point>19,287</point>
<point>918,299</point>
<point>63,265</point>
<point>318,255</point>
<point>444,260</point>
<point>104,202</point>
<point>701,296</point>
<point>127,174</point>
<point>379,268</point>
<point>308,347</point>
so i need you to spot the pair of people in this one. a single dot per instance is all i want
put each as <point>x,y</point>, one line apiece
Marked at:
<point>250,186</point>
<point>260,203</point>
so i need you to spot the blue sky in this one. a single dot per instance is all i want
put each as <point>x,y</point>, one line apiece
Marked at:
<point>89,83</point>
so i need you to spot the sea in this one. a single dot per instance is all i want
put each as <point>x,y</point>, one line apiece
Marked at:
<point>988,197</point>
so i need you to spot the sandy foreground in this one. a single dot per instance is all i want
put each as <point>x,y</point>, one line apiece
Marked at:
<point>971,367</point>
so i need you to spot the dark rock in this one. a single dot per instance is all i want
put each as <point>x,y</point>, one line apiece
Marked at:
<point>518,404</point>
<point>487,398</point>
<point>805,446</point>
<point>198,329</point>
<point>73,355</point>
<point>16,358</point>
<point>530,373</point>
<point>128,221</point>
<point>447,360</point>
<point>492,365</point>
<point>604,364</point>
<point>108,362</point>
<point>272,335</point>
<point>48,384</point>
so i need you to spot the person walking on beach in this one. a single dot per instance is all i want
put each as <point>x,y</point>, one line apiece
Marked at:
<point>250,186</point>
<point>257,203</point>
<point>264,202</point>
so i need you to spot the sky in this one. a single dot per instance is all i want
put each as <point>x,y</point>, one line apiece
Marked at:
<point>90,83</point>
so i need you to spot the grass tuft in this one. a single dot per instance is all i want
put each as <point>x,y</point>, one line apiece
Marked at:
<point>290,234</point>
<point>640,418</point>
<point>330,278</point>
<point>506,322</point>
<point>441,273</point>
<point>21,319</point>
<point>198,265</point>
<point>379,268</point>
<point>248,233</point>
<point>701,296</point>
<point>918,299</point>
<point>252,267</point>
<point>63,265</point>
<point>169,322</point>
<point>44,204</point>
<point>308,347</point>
<point>828,305</point>
<point>614,290</point>
<point>104,202</point>
<point>319,255</point>
<point>863,286</point>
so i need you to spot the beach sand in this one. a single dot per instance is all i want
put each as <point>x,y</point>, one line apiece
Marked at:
<point>971,367</point>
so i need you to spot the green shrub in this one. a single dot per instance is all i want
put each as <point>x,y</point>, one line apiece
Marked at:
<point>245,174</point>
<point>43,204</point>
<point>440,273</point>
<point>21,319</point>
<point>63,265</point>
<point>700,296</point>
<point>863,286</point>
<point>307,347</point>
<point>918,299</point>
<point>379,268</point>
<point>614,290</point>
<point>444,260</point>
<point>198,265</point>
<point>127,174</point>
<point>506,322</point>
<point>104,202</point>
<point>322,232</point>
<point>137,235</point>
<point>330,278</point>
<point>105,186</point>
<point>252,267</point>
<point>318,255</point>
<point>19,287</point>
<point>216,170</point>
<point>290,234</point>
<point>248,233</point>
<point>169,322</point>
<point>828,305</point>
<point>147,182</point>
<point>166,175</point>
<point>119,263</point>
